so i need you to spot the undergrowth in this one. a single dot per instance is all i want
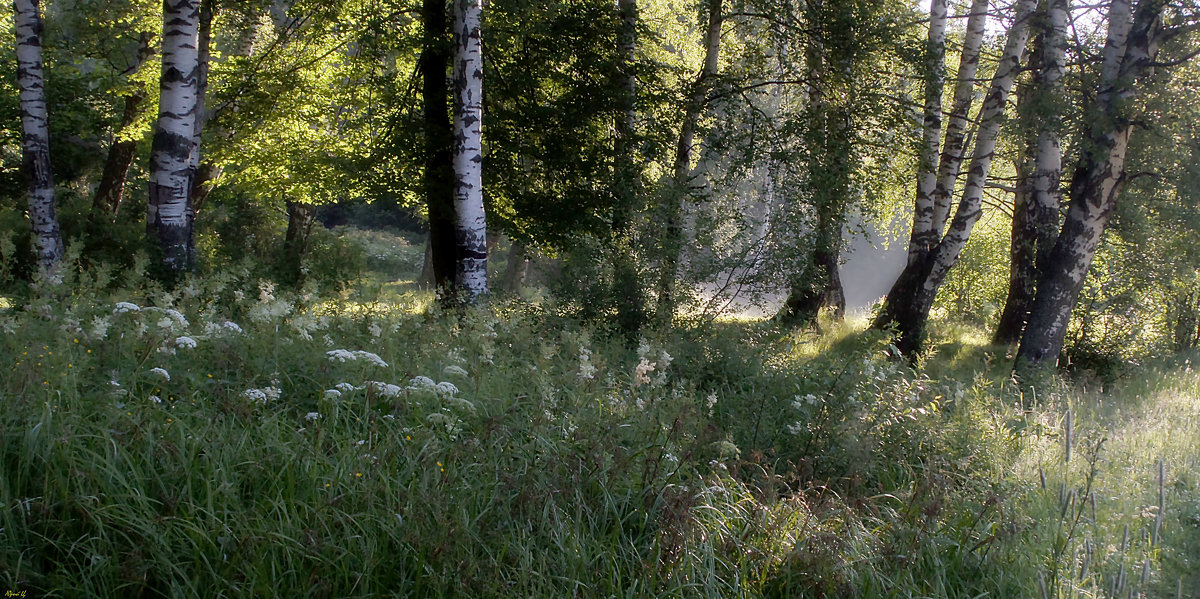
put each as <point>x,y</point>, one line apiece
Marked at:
<point>226,438</point>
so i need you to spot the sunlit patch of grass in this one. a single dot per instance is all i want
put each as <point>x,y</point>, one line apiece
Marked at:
<point>5,303</point>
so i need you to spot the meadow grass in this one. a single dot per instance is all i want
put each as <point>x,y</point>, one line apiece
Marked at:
<point>213,441</point>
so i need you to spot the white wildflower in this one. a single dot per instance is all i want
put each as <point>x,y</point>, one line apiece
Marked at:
<point>177,317</point>
<point>461,404</point>
<point>312,416</point>
<point>185,342</point>
<point>375,330</point>
<point>155,399</point>
<point>272,393</point>
<point>257,396</point>
<point>123,307</point>
<point>266,291</point>
<point>384,389</point>
<point>446,388</point>
<point>360,442</point>
<point>345,355</point>
<point>587,370</point>
<point>161,372</point>
<point>422,382</point>
<point>99,328</point>
<point>232,327</point>
<point>331,394</point>
<point>641,372</point>
<point>455,371</point>
<point>346,387</point>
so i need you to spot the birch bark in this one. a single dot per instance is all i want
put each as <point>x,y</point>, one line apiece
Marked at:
<point>1130,51</point>
<point>471,222</point>
<point>35,138</point>
<point>1035,212</point>
<point>172,161</point>
<point>954,148</point>
<point>923,236</point>
<point>911,298</point>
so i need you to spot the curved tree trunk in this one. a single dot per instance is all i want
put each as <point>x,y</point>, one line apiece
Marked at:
<point>173,157</point>
<point>1035,213</point>
<point>35,138</point>
<point>111,190</point>
<point>471,221</point>
<point>954,147</point>
<point>682,171</point>
<point>908,303</point>
<point>1129,54</point>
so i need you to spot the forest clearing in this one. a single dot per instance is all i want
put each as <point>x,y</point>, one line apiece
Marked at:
<point>600,298</point>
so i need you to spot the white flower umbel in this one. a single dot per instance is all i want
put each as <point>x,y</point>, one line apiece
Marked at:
<point>421,382</point>
<point>331,395</point>
<point>455,371</point>
<point>262,396</point>
<point>155,399</point>
<point>185,342</point>
<point>346,387</point>
<point>384,389</point>
<point>312,416</point>
<point>123,307</point>
<point>446,388</point>
<point>346,355</point>
<point>162,372</point>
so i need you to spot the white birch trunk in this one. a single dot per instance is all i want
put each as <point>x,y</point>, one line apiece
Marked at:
<point>1048,170</point>
<point>970,207</point>
<point>1129,54</point>
<point>47,237</point>
<point>923,235</point>
<point>471,223</point>
<point>953,150</point>
<point>175,147</point>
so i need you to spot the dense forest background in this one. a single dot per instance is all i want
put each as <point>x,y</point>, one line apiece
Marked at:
<point>657,298</point>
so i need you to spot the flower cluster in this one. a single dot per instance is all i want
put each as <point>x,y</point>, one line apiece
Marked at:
<point>345,355</point>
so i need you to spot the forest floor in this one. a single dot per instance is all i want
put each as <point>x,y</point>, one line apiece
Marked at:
<point>228,438</point>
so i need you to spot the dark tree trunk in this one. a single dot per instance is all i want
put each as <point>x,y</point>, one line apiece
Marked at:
<point>672,246</point>
<point>439,145</point>
<point>111,190</point>
<point>295,242</point>
<point>627,288</point>
<point>516,269</point>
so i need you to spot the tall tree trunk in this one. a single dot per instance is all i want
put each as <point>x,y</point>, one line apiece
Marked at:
<point>471,221</point>
<point>111,190</point>
<point>923,236</point>
<point>908,303</point>
<point>516,269</point>
<point>295,243</point>
<point>627,288</point>
<point>47,237</point>
<point>829,170</point>
<point>173,155</point>
<point>954,147</point>
<point>682,172</point>
<point>1129,54</point>
<point>1035,213</point>
<point>438,181</point>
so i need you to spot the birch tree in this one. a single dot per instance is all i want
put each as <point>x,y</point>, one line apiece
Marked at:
<point>35,138</point>
<point>471,222</point>
<point>681,173</point>
<point>1131,47</point>
<point>1035,209</point>
<point>908,303</point>
<point>169,213</point>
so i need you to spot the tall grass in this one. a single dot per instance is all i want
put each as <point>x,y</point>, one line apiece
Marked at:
<point>508,451</point>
